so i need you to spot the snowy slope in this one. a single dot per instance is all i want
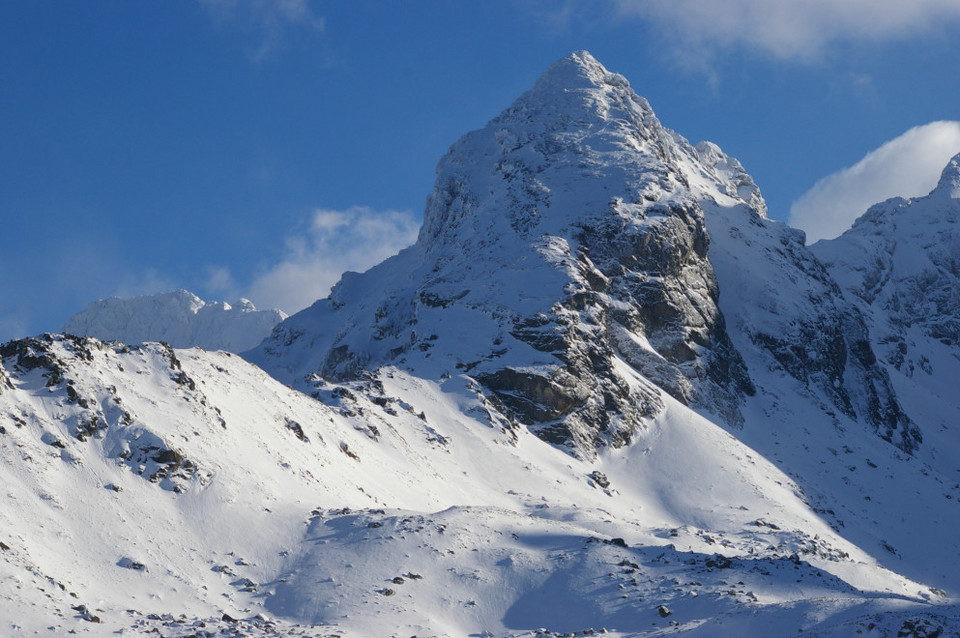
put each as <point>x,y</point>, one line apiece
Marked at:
<point>900,263</point>
<point>179,318</point>
<point>187,485</point>
<point>816,355</point>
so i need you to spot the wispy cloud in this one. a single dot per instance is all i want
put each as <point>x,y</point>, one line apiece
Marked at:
<point>219,280</point>
<point>788,29</point>
<point>271,24</point>
<point>13,325</point>
<point>336,241</point>
<point>565,16</point>
<point>148,282</point>
<point>907,166</point>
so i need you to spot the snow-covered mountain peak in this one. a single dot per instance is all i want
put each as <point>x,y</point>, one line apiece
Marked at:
<point>577,117</point>
<point>901,262</point>
<point>179,318</point>
<point>563,253</point>
<point>949,184</point>
<point>577,70</point>
<point>578,80</point>
<point>565,265</point>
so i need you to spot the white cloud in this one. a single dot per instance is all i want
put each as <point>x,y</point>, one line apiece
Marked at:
<point>13,325</point>
<point>148,282</point>
<point>789,29</point>
<point>219,280</point>
<point>907,166</point>
<point>337,240</point>
<point>272,23</point>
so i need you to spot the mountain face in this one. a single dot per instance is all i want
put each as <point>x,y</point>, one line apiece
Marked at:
<point>560,247</point>
<point>564,250</point>
<point>602,393</point>
<point>900,264</point>
<point>179,318</point>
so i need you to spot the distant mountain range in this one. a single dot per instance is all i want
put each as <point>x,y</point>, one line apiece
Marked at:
<point>178,318</point>
<point>603,393</point>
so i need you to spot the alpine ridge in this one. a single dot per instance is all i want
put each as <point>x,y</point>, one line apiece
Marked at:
<point>603,393</point>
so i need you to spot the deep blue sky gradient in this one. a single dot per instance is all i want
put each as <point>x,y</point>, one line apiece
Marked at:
<point>144,144</point>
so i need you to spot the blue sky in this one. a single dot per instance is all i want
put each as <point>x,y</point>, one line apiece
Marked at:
<point>257,148</point>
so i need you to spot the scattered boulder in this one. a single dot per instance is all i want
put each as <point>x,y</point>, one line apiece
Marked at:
<point>599,478</point>
<point>719,561</point>
<point>128,563</point>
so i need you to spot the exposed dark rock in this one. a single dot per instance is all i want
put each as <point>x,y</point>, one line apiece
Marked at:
<point>178,375</point>
<point>599,478</point>
<point>718,561</point>
<point>168,456</point>
<point>53,440</point>
<point>297,430</point>
<point>129,563</point>
<point>919,628</point>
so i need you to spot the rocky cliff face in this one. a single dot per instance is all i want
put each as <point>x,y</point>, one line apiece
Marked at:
<point>901,260</point>
<point>788,315</point>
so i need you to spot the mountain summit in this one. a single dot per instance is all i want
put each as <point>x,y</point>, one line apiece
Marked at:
<point>949,184</point>
<point>562,264</point>
<point>565,265</point>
